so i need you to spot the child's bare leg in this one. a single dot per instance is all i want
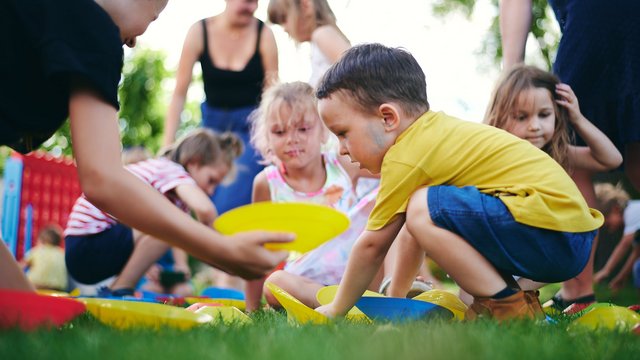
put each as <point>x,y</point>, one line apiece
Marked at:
<point>146,251</point>
<point>300,287</point>
<point>253,293</point>
<point>466,266</point>
<point>582,284</point>
<point>528,284</point>
<point>11,276</point>
<point>407,262</point>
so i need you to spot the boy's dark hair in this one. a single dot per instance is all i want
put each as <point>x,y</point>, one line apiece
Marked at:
<point>374,74</point>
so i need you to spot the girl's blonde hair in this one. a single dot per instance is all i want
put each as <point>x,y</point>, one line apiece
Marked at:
<point>279,10</point>
<point>610,196</point>
<point>299,97</point>
<point>506,96</point>
<point>206,147</point>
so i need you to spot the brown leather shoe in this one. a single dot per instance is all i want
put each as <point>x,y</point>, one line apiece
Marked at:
<point>516,306</point>
<point>533,298</point>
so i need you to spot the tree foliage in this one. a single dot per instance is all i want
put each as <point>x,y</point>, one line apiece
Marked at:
<point>542,27</point>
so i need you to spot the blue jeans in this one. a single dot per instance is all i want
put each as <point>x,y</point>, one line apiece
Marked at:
<point>513,248</point>
<point>237,193</point>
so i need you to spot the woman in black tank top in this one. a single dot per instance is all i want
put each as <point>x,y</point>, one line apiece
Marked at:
<point>238,55</point>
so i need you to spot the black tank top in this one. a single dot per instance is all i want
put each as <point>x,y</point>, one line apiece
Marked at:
<point>228,88</point>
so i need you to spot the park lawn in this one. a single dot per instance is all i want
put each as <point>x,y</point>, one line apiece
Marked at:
<point>271,337</point>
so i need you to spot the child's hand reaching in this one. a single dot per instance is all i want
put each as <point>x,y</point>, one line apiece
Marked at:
<point>247,256</point>
<point>569,100</point>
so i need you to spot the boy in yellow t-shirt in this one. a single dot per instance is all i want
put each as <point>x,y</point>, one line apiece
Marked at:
<point>483,204</point>
<point>45,261</point>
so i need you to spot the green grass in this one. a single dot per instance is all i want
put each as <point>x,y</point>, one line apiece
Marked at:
<point>271,337</point>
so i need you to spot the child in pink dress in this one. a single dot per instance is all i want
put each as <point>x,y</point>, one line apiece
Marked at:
<point>289,134</point>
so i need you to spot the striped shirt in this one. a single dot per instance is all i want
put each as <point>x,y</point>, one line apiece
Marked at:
<point>161,173</point>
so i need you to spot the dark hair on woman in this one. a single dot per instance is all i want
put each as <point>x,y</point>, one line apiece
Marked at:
<point>373,74</point>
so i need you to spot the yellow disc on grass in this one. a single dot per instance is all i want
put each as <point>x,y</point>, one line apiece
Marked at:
<point>446,300</point>
<point>123,314</point>
<point>311,223</point>
<point>297,312</point>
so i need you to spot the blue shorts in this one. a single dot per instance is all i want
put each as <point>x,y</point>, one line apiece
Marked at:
<point>93,258</point>
<point>512,247</point>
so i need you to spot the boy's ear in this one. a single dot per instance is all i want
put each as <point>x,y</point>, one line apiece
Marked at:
<point>390,116</point>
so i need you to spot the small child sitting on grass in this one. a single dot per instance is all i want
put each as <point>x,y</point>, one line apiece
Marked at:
<point>482,203</point>
<point>45,261</point>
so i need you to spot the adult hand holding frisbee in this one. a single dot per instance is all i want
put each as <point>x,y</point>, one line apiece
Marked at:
<point>313,224</point>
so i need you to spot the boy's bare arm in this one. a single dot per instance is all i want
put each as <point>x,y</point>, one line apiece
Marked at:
<point>365,260</point>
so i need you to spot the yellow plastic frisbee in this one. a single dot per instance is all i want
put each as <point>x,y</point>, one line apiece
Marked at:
<point>446,300</point>
<point>606,317</point>
<point>313,224</point>
<point>124,314</point>
<point>297,312</point>
<point>228,315</point>
<point>239,304</point>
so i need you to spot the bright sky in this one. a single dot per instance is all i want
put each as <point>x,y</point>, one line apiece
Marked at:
<point>458,80</point>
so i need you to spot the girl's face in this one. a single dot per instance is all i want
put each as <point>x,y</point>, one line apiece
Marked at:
<point>241,12</point>
<point>533,118</point>
<point>296,143</point>
<point>207,177</point>
<point>298,23</point>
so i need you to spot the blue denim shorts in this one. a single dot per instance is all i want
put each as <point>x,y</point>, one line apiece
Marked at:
<point>512,247</point>
<point>96,257</point>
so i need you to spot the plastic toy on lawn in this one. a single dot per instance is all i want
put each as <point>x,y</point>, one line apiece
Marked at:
<point>239,304</point>
<point>446,300</point>
<point>30,311</point>
<point>219,295</point>
<point>228,315</point>
<point>326,295</point>
<point>123,314</point>
<point>39,189</point>
<point>313,224</point>
<point>400,309</point>
<point>297,312</point>
<point>610,317</point>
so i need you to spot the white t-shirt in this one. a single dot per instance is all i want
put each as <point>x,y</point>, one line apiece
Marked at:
<point>632,217</point>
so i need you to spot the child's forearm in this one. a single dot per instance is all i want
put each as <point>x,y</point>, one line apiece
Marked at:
<point>362,267</point>
<point>601,147</point>
<point>618,253</point>
<point>364,262</point>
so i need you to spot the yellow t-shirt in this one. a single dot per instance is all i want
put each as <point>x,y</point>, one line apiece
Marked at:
<point>47,268</point>
<point>438,149</point>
